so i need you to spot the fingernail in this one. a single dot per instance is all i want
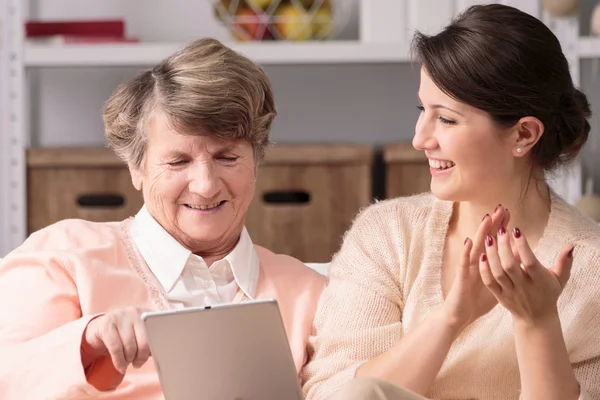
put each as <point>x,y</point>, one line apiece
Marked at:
<point>497,207</point>
<point>483,257</point>
<point>501,230</point>
<point>489,241</point>
<point>516,232</point>
<point>466,240</point>
<point>570,254</point>
<point>485,216</point>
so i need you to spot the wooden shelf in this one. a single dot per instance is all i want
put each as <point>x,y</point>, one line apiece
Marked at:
<point>272,53</point>
<point>38,157</point>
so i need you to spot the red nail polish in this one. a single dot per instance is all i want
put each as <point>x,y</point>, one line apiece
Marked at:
<point>517,232</point>
<point>489,241</point>
<point>485,216</point>
<point>501,230</point>
<point>483,257</point>
<point>570,254</point>
<point>497,207</point>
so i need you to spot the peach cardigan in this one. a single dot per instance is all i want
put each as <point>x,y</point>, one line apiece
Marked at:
<point>68,273</point>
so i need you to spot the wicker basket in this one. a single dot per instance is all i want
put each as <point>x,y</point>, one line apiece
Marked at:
<point>290,20</point>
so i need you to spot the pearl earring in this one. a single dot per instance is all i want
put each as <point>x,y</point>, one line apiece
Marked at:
<point>519,150</point>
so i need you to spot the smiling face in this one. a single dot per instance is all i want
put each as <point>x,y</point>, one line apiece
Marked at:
<point>470,157</point>
<point>198,188</point>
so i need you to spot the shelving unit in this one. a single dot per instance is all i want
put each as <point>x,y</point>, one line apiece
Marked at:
<point>14,137</point>
<point>273,53</point>
<point>18,57</point>
<point>589,47</point>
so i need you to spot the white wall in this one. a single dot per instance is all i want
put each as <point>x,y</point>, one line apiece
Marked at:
<point>336,103</point>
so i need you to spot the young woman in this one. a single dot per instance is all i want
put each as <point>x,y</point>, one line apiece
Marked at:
<point>426,298</point>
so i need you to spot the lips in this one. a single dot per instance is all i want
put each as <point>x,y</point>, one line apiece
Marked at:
<point>204,207</point>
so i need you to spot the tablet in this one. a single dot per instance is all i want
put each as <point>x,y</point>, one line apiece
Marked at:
<point>226,352</point>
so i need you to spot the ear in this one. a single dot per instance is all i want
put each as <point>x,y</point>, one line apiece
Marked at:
<point>137,176</point>
<point>528,131</point>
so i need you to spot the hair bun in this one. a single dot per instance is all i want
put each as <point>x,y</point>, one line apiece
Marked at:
<point>574,128</point>
<point>582,103</point>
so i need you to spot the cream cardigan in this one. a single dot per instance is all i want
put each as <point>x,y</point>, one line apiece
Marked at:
<point>386,279</point>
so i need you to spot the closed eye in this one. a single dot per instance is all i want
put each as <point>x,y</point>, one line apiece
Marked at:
<point>228,159</point>
<point>177,163</point>
<point>447,121</point>
<point>442,119</point>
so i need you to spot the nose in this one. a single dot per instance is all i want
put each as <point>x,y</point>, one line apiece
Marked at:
<point>424,138</point>
<point>204,180</point>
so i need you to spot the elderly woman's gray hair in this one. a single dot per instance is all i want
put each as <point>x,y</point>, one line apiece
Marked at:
<point>206,88</point>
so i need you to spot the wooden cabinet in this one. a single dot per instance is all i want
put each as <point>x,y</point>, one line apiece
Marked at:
<point>306,196</point>
<point>91,184</point>
<point>406,170</point>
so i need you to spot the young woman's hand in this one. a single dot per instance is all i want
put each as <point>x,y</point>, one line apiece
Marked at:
<point>517,279</point>
<point>468,298</point>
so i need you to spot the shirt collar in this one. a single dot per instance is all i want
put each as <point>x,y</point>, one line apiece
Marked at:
<point>167,258</point>
<point>245,264</point>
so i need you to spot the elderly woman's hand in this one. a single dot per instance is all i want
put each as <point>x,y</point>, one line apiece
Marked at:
<point>121,335</point>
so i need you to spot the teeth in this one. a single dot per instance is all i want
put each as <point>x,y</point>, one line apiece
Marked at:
<point>204,207</point>
<point>440,164</point>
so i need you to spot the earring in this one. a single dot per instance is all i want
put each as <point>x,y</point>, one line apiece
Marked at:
<point>519,150</point>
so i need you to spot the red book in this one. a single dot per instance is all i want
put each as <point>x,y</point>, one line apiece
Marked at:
<point>79,39</point>
<point>104,28</point>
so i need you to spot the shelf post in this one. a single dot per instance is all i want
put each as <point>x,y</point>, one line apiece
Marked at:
<point>13,140</point>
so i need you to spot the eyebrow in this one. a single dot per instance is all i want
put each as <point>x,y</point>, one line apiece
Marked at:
<point>175,154</point>
<point>437,106</point>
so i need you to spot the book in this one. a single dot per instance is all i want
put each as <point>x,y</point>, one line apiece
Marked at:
<point>80,39</point>
<point>104,28</point>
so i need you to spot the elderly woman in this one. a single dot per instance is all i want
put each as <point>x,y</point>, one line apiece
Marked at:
<point>192,131</point>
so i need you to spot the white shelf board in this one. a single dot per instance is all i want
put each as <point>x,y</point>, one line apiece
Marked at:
<point>144,54</point>
<point>589,47</point>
